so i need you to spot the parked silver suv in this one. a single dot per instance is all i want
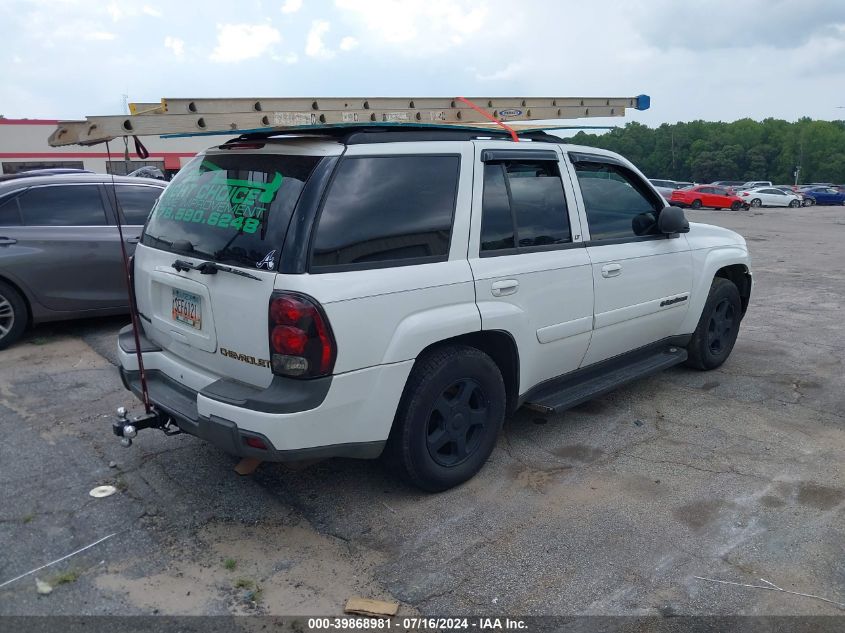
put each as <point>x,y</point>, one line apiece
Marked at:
<point>59,247</point>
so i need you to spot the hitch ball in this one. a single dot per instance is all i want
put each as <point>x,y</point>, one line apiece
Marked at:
<point>129,431</point>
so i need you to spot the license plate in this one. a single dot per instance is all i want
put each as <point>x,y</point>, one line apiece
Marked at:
<point>187,308</point>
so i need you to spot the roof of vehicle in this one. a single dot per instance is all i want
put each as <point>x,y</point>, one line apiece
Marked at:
<point>331,141</point>
<point>57,179</point>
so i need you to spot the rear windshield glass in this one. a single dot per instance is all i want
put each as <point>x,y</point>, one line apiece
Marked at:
<point>232,208</point>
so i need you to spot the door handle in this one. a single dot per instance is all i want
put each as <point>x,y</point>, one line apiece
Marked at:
<point>504,287</point>
<point>7,241</point>
<point>611,270</point>
<point>133,240</point>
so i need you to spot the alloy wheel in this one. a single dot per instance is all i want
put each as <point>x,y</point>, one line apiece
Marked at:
<point>457,423</point>
<point>7,316</point>
<point>720,327</point>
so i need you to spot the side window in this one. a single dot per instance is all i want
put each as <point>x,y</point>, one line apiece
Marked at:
<point>136,202</point>
<point>63,205</point>
<point>719,192</point>
<point>381,209</point>
<point>523,206</point>
<point>10,214</point>
<point>617,202</point>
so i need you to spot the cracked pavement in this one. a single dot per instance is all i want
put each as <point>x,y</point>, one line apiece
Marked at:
<point>611,508</point>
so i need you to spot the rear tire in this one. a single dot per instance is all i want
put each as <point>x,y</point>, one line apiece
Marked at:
<point>756,203</point>
<point>13,315</point>
<point>718,327</point>
<point>696,204</point>
<point>448,418</point>
<point>795,204</point>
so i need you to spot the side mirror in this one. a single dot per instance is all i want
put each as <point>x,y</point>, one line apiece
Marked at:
<point>672,220</point>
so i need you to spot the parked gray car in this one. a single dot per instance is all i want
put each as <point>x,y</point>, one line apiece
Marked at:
<point>60,252</point>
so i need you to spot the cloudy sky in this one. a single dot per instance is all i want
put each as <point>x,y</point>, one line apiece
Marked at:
<point>698,59</point>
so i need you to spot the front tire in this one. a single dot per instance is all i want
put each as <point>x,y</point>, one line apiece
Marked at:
<point>718,327</point>
<point>736,206</point>
<point>13,315</point>
<point>448,418</point>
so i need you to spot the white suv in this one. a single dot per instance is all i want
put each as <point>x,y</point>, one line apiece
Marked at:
<point>398,293</point>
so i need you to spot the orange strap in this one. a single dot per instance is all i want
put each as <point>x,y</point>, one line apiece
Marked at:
<point>490,117</point>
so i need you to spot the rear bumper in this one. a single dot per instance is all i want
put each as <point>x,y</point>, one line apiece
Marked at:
<point>347,415</point>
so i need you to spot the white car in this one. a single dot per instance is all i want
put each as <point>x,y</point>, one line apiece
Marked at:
<point>664,187</point>
<point>770,197</point>
<point>754,184</point>
<point>398,293</point>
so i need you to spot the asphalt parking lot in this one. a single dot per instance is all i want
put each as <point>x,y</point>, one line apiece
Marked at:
<point>612,508</point>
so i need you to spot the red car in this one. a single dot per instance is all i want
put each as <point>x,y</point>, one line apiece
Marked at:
<point>706,196</point>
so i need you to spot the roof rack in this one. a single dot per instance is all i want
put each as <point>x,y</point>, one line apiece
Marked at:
<point>180,117</point>
<point>380,133</point>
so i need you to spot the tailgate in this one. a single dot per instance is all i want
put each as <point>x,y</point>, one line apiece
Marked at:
<point>218,322</point>
<point>226,212</point>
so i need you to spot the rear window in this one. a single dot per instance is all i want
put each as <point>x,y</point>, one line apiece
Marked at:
<point>232,208</point>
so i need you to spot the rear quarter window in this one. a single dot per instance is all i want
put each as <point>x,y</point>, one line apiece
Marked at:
<point>136,202</point>
<point>387,210</point>
<point>10,214</point>
<point>232,208</point>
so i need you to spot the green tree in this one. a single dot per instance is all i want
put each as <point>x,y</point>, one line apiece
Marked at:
<point>745,149</point>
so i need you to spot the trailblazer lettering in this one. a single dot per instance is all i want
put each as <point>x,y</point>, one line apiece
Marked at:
<point>244,358</point>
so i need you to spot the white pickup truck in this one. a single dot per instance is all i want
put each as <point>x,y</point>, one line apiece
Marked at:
<point>397,293</point>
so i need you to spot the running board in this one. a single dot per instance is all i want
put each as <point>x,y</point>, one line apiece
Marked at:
<point>559,395</point>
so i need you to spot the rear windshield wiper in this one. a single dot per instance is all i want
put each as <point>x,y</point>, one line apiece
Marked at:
<point>210,268</point>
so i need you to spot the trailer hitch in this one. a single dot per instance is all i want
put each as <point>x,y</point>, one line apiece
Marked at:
<point>126,427</point>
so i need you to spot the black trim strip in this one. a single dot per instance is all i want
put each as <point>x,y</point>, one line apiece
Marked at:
<point>491,155</point>
<point>633,238</point>
<point>522,250</point>
<point>581,157</point>
<point>294,257</point>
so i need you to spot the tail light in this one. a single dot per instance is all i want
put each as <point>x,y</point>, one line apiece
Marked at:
<point>301,342</point>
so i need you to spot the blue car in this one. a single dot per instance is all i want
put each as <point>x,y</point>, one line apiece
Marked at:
<point>825,195</point>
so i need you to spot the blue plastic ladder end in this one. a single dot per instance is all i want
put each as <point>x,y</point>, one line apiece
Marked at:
<point>643,102</point>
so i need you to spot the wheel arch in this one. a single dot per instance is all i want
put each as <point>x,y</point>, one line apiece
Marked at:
<point>739,275</point>
<point>26,301</point>
<point>501,347</point>
<point>728,262</point>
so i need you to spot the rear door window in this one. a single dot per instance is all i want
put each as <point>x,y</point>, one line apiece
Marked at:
<point>232,208</point>
<point>387,211</point>
<point>136,202</point>
<point>523,206</point>
<point>62,205</point>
